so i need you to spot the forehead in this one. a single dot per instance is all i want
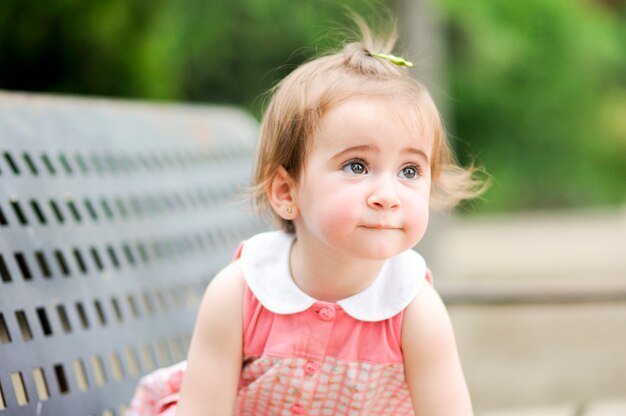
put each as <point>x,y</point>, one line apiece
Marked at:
<point>387,121</point>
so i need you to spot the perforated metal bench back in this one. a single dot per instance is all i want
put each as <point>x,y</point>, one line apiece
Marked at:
<point>114,216</point>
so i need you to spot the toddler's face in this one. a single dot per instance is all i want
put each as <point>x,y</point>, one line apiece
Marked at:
<point>365,188</point>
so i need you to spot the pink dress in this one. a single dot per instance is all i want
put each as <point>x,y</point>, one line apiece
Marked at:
<point>307,357</point>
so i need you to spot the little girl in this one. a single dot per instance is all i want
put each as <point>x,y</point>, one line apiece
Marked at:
<point>334,314</point>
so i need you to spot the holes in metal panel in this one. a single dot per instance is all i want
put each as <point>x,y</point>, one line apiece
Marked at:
<point>14,168</point>
<point>44,322</point>
<point>41,385</point>
<point>5,336</point>
<point>128,254</point>
<point>82,315</point>
<point>4,271</point>
<point>176,348</point>
<point>96,163</point>
<point>191,197</point>
<point>110,161</point>
<point>98,370</point>
<point>65,164</point>
<point>81,163</point>
<point>136,206</point>
<point>74,210</point>
<point>65,322</point>
<point>3,219</point>
<point>163,356</point>
<point>181,202</point>
<point>100,312</point>
<point>22,322</point>
<point>38,212</point>
<point>30,163</point>
<point>116,309</point>
<point>157,249</point>
<point>96,258</point>
<point>176,298</point>
<point>147,304</point>
<point>119,203</point>
<point>190,297</point>
<point>132,362</point>
<point>44,268</point>
<point>80,375</point>
<point>156,162</point>
<point>19,213</point>
<point>161,301</point>
<point>60,258</point>
<point>132,304</point>
<point>139,206</point>
<point>90,209</point>
<point>3,402</point>
<point>106,208</point>
<point>113,257</point>
<point>48,164</point>
<point>23,265</point>
<point>21,396</point>
<point>116,366</point>
<point>82,266</point>
<point>199,241</point>
<point>56,211</point>
<point>61,378</point>
<point>147,357</point>
<point>143,253</point>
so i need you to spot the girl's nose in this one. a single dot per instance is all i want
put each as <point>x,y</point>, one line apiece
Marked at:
<point>383,196</point>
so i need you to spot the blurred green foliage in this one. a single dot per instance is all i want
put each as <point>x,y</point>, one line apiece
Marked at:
<point>538,91</point>
<point>537,88</point>
<point>220,51</point>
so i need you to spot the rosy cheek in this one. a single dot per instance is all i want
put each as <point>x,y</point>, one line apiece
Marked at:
<point>339,210</point>
<point>417,215</point>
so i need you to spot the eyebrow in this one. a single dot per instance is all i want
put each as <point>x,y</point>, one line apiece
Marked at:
<point>368,148</point>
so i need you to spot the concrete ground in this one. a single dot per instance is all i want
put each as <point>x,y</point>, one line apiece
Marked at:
<point>537,358</point>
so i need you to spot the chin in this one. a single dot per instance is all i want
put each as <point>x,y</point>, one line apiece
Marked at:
<point>383,252</point>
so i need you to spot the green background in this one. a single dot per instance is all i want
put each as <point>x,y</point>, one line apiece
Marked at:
<point>535,90</point>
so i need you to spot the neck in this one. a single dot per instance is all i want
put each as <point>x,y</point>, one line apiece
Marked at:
<point>327,275</point>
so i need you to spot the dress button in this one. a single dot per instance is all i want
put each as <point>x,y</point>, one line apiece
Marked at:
<point>311,368</point>
<point>298,409</point>
<point>326,314</point>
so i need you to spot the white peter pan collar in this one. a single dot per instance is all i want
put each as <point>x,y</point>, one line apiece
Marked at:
<point>265,265</point>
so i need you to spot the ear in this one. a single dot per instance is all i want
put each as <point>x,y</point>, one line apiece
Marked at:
<point>281,195</point>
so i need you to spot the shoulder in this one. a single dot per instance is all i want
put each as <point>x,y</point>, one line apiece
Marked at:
<point>229,278</point>
<point>426,322</point>
<point>431,360</point>
<point>225,291</point>
<point>219,320</point>
<point>221,307</point>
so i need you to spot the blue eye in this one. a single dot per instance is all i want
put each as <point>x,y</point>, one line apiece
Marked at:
<point>356,166</point>
<point>409,172</point>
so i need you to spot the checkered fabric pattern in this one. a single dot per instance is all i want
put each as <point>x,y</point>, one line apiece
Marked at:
<point>297,386</point>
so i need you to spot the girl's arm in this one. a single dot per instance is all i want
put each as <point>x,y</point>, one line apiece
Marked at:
<point>432,365</point>
<point>215,354</point>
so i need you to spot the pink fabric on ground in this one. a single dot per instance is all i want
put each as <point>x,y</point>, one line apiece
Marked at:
<point>157,393</point>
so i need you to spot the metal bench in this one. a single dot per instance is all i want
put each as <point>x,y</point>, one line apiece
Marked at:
<point>114,216</point>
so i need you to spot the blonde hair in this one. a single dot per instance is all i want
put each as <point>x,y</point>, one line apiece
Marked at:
<point>300,101</point>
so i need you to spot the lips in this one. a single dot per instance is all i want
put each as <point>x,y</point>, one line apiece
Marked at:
<point>380,227</point>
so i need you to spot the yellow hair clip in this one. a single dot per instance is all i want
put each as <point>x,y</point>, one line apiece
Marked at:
<point>394,59</point>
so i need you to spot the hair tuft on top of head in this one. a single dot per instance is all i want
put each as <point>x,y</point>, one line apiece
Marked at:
<point>360,55</point>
